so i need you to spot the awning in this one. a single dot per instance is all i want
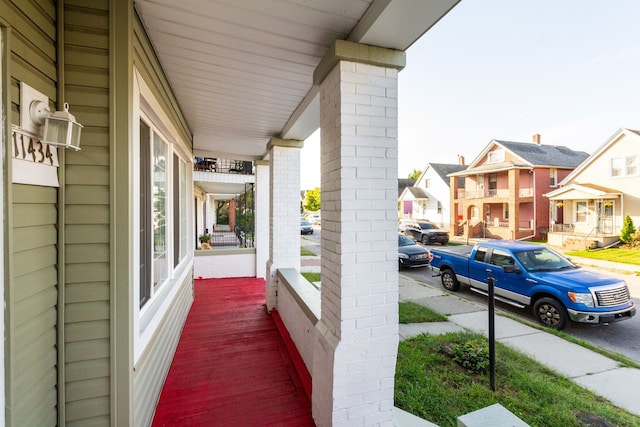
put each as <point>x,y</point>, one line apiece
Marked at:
<point>583,191</point>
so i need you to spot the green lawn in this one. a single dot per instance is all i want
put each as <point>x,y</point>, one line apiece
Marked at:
<point>626,256</point>
<point>410,312</point>
<point>306,252</point>
<point>311,277</point>
<point>433,386</point>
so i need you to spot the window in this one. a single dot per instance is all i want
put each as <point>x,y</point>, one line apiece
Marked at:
<point>581,212</point>
<point>553,177</point>
<point>159,209</point>
<point>501,258</point>
<point>427,183</point>
<point>505,210</point>
<point>616,166</point>
<point>495,156</point>
<point>439,207</point>
<point>493,180</point>
<point>179,209</point>
<point>631,165</point>
<point>480,181</point>
<point>163,211</point>
<point>480,254</point>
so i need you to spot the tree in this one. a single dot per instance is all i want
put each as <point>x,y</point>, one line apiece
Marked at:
<point>627,230</point>
<point>312,200</point>
<point>415,174</point>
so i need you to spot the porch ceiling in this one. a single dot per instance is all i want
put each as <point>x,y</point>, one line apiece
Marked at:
<point>242,70</point>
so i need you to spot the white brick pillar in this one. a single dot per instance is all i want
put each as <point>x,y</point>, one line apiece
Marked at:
<point>261,217</point>
<point>355,355</point>
<point>284,211</point>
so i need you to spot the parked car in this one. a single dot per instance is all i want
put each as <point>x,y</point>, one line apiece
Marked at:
<point>425,232</point>
<point>305,227</point>
<point>410,254</point>
<point>528,274</point>
<point>313,218</point>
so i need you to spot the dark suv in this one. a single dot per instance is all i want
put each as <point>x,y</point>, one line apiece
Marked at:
<point>427,233</point>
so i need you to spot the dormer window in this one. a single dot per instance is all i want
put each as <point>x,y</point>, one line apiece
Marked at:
<point>495,156</point>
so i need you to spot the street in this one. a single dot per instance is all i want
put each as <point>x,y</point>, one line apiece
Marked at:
<point>620,337</point>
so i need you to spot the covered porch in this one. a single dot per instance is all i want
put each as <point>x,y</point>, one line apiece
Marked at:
<point>256,83</point>
<point>585,216</point>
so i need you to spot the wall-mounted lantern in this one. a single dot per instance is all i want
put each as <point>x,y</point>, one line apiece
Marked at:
<point>60,128</point>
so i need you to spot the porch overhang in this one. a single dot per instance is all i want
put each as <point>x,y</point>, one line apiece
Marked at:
<point>583,191</point>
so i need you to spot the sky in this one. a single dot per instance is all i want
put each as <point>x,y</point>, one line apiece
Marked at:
<point>568,70</point>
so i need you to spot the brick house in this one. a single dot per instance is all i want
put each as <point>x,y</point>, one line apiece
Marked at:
<point>502,196</point>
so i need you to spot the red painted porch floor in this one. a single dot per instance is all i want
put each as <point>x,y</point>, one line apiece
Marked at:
<point>231,367</point>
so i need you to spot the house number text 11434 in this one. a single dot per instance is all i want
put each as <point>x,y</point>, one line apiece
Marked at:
<point>31,149</point>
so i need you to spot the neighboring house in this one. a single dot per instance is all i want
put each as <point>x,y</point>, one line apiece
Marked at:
<point>590,206</point>
<point>429,197</point>
<point>504,186</point>
<point>98,245</point>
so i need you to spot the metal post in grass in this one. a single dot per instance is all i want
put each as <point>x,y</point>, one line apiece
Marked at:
<point>492,334</point>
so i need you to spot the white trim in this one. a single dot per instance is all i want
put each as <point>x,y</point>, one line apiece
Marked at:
<point>148,319</point>
<point>3,132</point>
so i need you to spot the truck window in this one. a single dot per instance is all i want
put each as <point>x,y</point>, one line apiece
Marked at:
<point>501,258</point>
<point>480,254</point>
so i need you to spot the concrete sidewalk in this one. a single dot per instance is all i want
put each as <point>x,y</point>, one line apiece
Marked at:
<point>589,369</point>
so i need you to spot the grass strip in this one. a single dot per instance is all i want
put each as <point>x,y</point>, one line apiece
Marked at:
<point>306,252</point>
<point>625,256</point>
<point>311,277</point>
<point>433,386</point>
<point>410,312</point>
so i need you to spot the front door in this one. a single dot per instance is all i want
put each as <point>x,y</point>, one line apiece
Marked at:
<point>604,212</point>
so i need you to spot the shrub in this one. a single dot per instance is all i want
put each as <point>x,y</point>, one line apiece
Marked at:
<point>472,355</point>
<point>627,230</point>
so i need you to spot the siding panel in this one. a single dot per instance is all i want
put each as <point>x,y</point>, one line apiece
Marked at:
<point>87,218</point>
<point>31,333</point>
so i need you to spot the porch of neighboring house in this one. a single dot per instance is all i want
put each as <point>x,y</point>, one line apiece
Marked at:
<point>585,221</point>
<point>233,363</point>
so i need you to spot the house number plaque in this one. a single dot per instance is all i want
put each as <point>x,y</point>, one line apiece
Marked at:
<point>31,149</point>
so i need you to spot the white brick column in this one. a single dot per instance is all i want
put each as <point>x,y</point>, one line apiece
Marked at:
<point>284,211</point>
<point>261,217</point>
<point>355,356</point>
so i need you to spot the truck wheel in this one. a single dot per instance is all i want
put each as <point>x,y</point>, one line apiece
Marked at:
<point>449,280</point>
<point>424,240</point>
<point>550,312</point>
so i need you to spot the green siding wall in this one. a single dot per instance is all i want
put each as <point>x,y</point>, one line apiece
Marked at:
<point>32,289</point>
<point>86,183</point>
<point>33,295</point>
<point>73,323</point>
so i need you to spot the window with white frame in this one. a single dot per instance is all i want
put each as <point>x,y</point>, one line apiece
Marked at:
<point>505,210</point>
<point>480,181</point>
<point>163,211</point>
<point>631,165</point>
<point>553,177</point>
<point>495,156</point>
<point>581,211</point>
<point>439,207</point>
<point>616,166</point>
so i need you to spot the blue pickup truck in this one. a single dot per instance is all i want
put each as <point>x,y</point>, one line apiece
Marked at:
<point>528,274</point>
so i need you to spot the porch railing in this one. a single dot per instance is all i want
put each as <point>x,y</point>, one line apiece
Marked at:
<point>212,164</point>
<point>501,193</point>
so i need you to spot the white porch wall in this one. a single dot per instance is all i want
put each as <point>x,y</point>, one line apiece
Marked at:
<point>261,217</point>
<point>354,358</point>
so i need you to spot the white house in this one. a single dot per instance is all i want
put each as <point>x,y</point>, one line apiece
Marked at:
<point>429,198</point>
<point>591,203</point>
